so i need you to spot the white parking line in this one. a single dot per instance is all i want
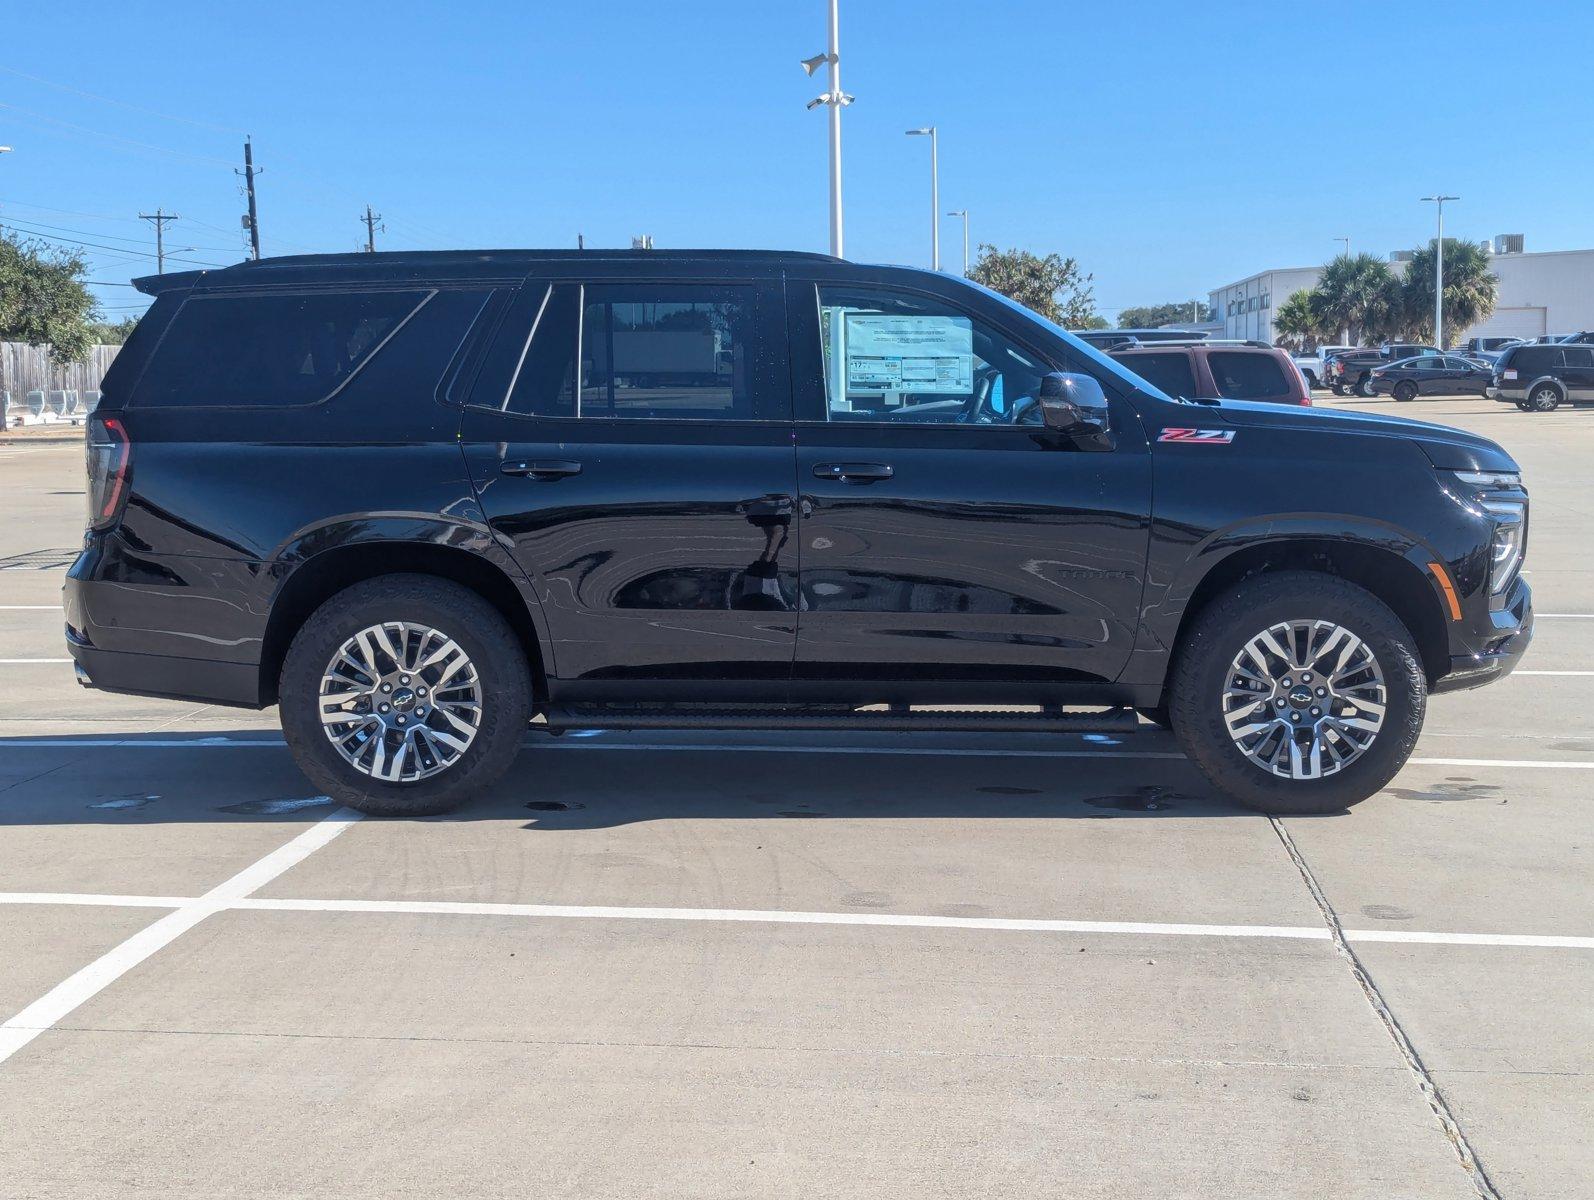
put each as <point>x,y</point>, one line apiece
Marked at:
<point>62,999</point>
<point>1516,673</point>
<point>30,608</point>
<point>19,662</point>
<point>779,917</point>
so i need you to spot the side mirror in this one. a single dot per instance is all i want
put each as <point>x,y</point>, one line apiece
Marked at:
<point>1075,404</point>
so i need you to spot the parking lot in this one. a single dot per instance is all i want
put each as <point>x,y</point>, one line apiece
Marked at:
<point>821,965</point>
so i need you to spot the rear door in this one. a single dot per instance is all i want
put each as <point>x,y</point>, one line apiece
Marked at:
<point>1578,374</point>
<point>631,445</point>
<point>953,548</point>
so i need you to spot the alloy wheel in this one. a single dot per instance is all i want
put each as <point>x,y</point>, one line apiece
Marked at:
<point>1304,699</point>
<point>400,702</point>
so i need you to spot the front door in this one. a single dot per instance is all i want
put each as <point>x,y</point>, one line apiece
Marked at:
<point>631,447</point>
<point>952,546</point>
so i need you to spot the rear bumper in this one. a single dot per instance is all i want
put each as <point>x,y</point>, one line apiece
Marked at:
<point>197,679</point>
<point>1505,395</point>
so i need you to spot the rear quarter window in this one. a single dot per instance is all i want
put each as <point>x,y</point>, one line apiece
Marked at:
<point>1534,360</point>
<point>1170,371</point>
<point>276,351</point>
<point>1241,376</point>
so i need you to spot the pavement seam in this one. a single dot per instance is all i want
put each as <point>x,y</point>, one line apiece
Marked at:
<point>1465,1155</point>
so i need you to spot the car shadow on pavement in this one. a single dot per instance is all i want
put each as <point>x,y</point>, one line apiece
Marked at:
<point>247,775</point>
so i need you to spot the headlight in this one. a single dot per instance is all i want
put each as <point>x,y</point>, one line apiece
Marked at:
<point>1499,495</point>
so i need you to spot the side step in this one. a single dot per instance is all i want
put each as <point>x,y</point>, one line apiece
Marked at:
<point>895,719</point>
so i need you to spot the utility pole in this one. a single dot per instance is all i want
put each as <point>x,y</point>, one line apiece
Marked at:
<point>836,99</point>
<point>1439,272</point>
<point>371,227</point>
<point>159,218</point>
<point>252,220</point>
<point>964,213</point>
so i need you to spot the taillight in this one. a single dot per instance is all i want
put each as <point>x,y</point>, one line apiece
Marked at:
<point>1508,374</point>
<point>109,462</point>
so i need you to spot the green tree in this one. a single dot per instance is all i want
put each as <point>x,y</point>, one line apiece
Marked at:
<point>112,333</point>
<point>1150,316</point>
<point>1471,288</point>
<point>43,300</point>
<point>1296,321</point>
<point>1053,286</point>
<point>1359,297</point>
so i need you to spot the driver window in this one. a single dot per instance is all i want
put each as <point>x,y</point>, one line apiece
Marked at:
<point>910,359</point>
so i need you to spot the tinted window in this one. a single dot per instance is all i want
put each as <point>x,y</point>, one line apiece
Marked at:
<point>270,350</point>
<point>543,383</point>
<point>1535,360</point>
<point>892,357</point>
<point>1247,376</point>
<point>1578,356</point>
<point>1426,364</point>
<point>1170,372</point>
<point>681,352</point>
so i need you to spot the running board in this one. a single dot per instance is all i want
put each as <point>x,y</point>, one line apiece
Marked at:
<point>896,719</point>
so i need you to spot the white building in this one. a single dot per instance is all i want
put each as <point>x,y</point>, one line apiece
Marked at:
<point>1550,291</point>
<point>1246,308</point>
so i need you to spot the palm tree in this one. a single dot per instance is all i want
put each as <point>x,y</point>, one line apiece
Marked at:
<point>1295,322</point>
<point>1471,288</point>
<point>1358,296</point>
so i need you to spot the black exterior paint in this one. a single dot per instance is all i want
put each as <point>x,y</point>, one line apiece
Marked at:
<point>686,560</point>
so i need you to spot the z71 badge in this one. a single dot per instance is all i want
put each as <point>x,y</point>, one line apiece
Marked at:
<point>1207,437</point>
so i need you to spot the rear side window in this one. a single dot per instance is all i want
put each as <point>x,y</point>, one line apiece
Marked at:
<point>1247,376</point>
<point>1535,360</point>
<point>1171,372</point>
<point>275,351</point>
<point>1578,356</point>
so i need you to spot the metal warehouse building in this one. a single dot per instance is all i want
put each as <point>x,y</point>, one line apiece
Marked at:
<point>1551,291</point>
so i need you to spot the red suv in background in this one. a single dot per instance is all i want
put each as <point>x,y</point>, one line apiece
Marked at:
<point>1218,370</point>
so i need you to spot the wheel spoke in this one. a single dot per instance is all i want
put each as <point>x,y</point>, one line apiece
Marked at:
<point>399,745</point>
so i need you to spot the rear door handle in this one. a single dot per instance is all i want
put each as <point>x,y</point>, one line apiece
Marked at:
<point>853,472</point>
<point>541,468</point>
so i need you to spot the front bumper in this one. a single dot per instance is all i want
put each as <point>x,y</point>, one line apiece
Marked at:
<point>1501,649</point>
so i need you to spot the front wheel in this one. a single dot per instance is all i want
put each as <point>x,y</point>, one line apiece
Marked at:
<point>1298,692</point>
<point>1364,387</point>
<point>405,695</point>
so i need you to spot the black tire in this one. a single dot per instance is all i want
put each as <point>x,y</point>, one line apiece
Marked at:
<point>1217,635</point>
<point>1545,397</point>
<point>1339,389</point>
<point>483,634</point>
<point>1364,387</point>
<point>1405,391</point>
<point>1524,406</point>
<point>1157,716</point>
<point>1311,381</point>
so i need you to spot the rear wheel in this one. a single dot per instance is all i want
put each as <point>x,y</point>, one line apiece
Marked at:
<point>1405,391</point>
<point>1298,692</point>
<point>1339,389</point>
<point>1546,397</point>
<point>405,695</point>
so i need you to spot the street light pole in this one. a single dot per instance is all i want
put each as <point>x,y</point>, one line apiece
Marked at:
<point>836,99</point>
<point>964,213</point>
<point>1439,271</point>
<point>935,195</point>
<point>1346,240</point>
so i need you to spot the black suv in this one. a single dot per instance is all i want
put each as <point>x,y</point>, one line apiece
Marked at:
<point>424,501</point>
<point>1540,377</point>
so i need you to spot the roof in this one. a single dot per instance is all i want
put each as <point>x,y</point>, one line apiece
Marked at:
<point>423,260</point>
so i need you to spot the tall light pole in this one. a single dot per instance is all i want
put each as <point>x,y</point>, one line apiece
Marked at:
<point>836,99</point>
<point>964,213</point>
<point>1439,271</point>
<point>1346,240</point>
<point>935,195</point>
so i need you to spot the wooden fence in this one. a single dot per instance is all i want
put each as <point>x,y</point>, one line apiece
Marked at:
<point>25,369</point>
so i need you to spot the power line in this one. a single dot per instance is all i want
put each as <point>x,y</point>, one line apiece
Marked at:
<point>119,103</point>
<point>147,146</point>
<point>111,236</point>
<point>123,250</point>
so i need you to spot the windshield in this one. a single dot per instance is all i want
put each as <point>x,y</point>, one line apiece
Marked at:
<point>1081,349</point>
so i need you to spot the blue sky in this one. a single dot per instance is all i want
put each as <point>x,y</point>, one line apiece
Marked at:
<point>1171,148</point>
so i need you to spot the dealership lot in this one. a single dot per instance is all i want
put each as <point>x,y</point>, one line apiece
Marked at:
<point>818,965</point>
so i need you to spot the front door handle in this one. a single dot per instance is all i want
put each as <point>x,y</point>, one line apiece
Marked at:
<point>541,468</point>
<point>853,472</point>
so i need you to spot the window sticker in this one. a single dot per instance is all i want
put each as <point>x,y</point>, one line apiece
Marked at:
<point>920,354</point>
